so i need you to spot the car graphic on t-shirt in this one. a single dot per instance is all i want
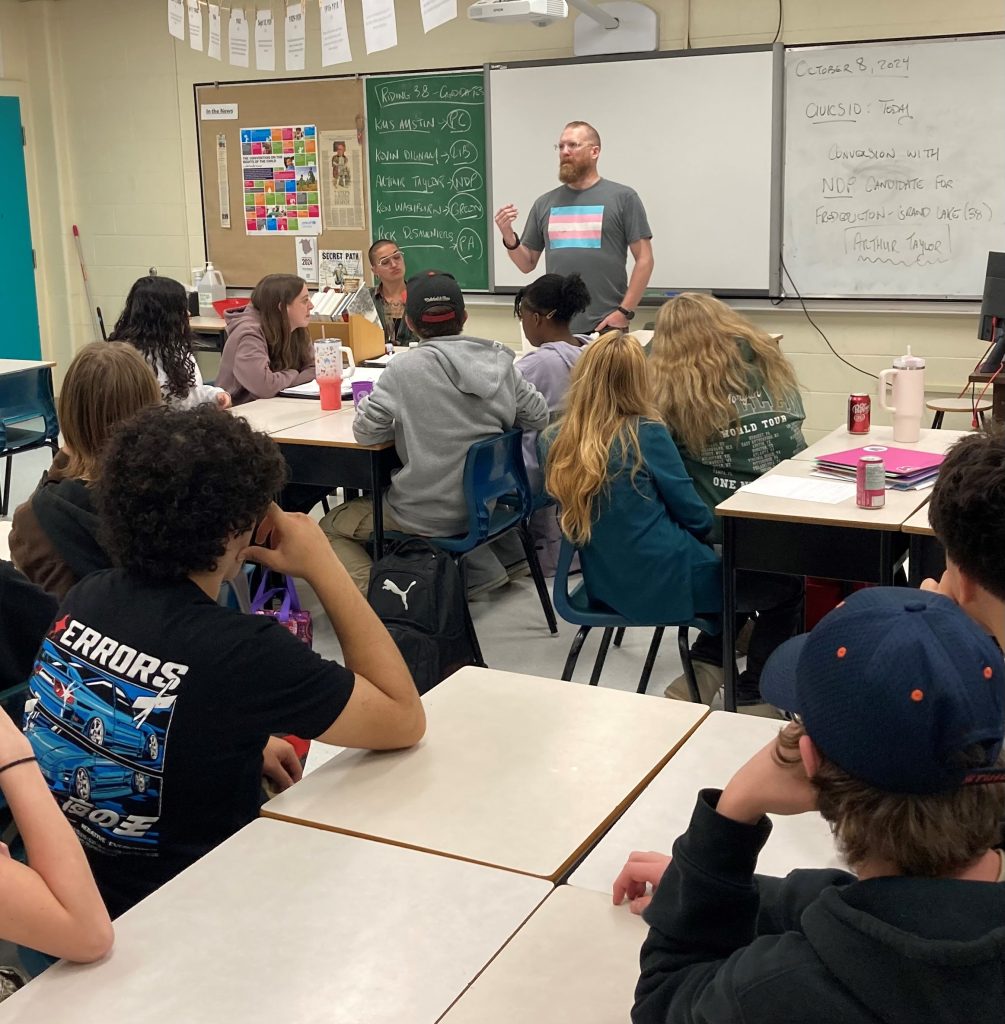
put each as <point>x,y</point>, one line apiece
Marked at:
<point>69,769</point>
<point>93,704</point>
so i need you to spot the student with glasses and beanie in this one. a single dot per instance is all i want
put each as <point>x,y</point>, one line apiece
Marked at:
<point>434,402</point>
<point>901,704</point>
<point>587,226</point>
<point>388,265</point>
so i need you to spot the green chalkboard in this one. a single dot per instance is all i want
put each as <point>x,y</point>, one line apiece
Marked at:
<point>426,148</point>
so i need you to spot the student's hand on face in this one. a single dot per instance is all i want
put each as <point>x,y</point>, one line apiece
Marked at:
<point>223,400</point>
<point>280,764</point>
<point>642,871</point>
<point>763,786</point>
<point>296,544</point>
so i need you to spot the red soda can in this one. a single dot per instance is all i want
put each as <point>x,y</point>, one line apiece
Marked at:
<point>870,482</point>
<point>859,414</point>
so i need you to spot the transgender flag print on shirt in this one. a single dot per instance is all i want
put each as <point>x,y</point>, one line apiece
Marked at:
<point>575,227</point>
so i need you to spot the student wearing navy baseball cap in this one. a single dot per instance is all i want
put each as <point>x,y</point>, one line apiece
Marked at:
<point>898,745</point>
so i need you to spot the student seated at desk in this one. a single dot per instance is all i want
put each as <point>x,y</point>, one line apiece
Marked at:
<point>155,320</point>
<point>626,500</point>
<point>544,308</point>
<point>54,537</point>
<point>732,403</point>
<point>181,692</point>
<point>902,704</point>
<point>434,402</point>
<point>268,347</point>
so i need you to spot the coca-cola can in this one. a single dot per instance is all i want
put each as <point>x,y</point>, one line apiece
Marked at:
<point>859,414</point>
<point>870,482</point>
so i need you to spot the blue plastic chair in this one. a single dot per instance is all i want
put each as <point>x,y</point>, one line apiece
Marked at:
<point>25,395</point>
<point>499,499</point>
<point>578,608</point>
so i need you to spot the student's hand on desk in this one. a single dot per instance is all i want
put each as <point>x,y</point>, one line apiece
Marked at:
<point>763,786</point>
<point>280,764</point>
<point>297,546</point>
<point>639,878</point>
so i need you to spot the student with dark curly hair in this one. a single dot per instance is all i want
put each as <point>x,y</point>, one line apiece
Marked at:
<point>54,537</point>
<point>155,320</point>
<point>161,756</point>
<point>268,347</point>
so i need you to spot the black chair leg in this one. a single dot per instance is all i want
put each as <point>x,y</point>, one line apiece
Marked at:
<point>619,635</point>
<point>684,646</point>
<point>469,625</point>
<point>647,669</point>
<point>937,420</point>
<point>577,646</point>
<point>980,417</point>
<point>5,497</point>
<point>325,505</point>
<point>538,574</point>
<point>598,665</point>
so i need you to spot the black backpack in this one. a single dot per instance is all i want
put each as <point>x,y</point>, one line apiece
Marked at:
<point>418,593</point>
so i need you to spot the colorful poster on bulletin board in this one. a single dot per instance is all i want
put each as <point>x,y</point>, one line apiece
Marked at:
<point>282,190</point>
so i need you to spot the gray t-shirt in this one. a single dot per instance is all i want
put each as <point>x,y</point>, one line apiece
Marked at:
<point>588,231</point>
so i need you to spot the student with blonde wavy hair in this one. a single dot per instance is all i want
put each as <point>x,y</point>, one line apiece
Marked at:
<point>626,500</point>
<point>732,403</point>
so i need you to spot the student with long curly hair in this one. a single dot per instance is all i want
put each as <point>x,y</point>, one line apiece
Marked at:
<point>732,403</point>
<point>626,500</point>
<point>268,347</point>
<point>155,321</point>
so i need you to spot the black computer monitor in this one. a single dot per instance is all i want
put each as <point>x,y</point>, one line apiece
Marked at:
<point>992,323</point>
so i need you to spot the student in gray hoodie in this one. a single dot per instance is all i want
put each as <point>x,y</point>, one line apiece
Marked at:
<point>434,402</point>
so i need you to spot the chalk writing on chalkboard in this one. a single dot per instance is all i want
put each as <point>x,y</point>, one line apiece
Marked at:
<point>426,144</point>
<point>885,192</point>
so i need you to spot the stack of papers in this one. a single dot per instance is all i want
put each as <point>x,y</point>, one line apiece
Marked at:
<point>311,389</point>
<point>905,470</point>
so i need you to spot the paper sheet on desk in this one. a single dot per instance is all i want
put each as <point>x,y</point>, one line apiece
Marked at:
<point>830,492</point>
<point>311,389</point>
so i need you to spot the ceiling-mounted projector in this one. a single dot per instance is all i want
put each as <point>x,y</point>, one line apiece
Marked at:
<point>537,12</point>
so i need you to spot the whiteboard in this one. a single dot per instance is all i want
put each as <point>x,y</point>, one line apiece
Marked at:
<point>894,167</point>
<point>695,134</point>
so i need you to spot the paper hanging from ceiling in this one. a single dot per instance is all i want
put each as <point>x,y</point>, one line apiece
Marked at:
<point>334,34</point>
<point>379,26</point>
<point>237,38</point>
<point>265,41</point>
<point>437,12</point>
<point>195,25</point>
<point>215,33</point>
<point>296,41</point>
<point>176,18</point>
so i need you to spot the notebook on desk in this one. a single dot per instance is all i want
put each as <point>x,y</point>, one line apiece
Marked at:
<point>905,469</point>
<point>311,389</point>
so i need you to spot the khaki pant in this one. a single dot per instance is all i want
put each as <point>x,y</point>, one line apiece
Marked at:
<point>348,528</point>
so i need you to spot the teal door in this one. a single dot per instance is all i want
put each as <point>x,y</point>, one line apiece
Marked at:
<point>19,336</point>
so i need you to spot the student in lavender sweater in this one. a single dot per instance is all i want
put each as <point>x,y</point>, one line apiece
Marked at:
<point>268,347</point>
<point>545,309</point>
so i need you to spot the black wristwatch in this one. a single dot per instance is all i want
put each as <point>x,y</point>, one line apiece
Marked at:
<point>628,314</point>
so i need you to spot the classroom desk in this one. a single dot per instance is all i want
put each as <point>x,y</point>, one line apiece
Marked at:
<point>515,771</point>
<point>839,440</point>
<point>709,757</point>
<point>283,923</point>
<point>575,961</point>
<point>210,331</point>
<point>277,414</point>
<point>926,555</point>
<point>20,365</point>
<point>806,538</point>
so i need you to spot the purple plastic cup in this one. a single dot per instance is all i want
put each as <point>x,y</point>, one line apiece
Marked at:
<point>359,389</point>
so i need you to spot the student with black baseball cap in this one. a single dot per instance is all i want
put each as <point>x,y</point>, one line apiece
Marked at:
<point>901,704</point>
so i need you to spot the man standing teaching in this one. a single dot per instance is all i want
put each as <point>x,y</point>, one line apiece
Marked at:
<point>586,226</point>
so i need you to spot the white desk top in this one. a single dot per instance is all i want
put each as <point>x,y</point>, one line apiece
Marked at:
<point>276,414</point>
<point>746,505</point>
<point>207,323</point>
<point>5,527</point>
<point>283,923</point>
<point>918,523</point>
<point>839,440</point>
<point>576,961</point>
<point>709,758</point>
<point>515,771</point>
<point>19,365</point>
<point>328,430</point>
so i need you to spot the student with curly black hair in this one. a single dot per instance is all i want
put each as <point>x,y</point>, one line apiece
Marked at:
<point>155,320</point>
<point>183,693</point>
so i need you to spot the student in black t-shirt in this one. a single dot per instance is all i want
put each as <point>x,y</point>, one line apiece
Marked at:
<point>153,704</point>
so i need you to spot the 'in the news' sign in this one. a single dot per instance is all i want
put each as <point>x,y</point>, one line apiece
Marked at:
<point>219,111</point>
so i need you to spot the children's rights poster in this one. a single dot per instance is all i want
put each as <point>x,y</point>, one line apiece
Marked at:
<point>282,191</point>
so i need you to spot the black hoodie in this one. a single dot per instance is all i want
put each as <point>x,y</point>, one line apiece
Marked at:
<point>817,947</point>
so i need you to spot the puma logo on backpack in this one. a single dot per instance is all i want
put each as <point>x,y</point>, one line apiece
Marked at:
<point>395,589</point>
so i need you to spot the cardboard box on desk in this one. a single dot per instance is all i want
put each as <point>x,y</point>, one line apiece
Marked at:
<point>364,338</point>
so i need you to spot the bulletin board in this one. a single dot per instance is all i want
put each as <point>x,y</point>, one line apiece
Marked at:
<point>327,111</point>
